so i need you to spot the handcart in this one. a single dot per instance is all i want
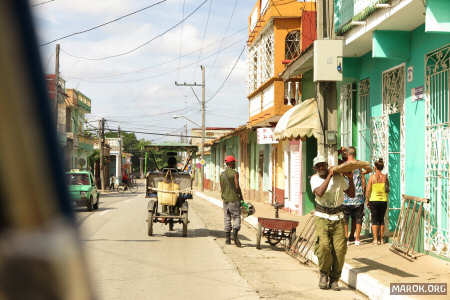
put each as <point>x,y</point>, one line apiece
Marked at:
<point>276,230</point>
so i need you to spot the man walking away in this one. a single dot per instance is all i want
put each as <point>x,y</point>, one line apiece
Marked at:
<point>231,196</point>
<point>354,207</point>
<point>331,245</point>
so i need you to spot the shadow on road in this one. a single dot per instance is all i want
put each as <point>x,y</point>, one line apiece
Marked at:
<point>84,209</point>
<point>201,232</point>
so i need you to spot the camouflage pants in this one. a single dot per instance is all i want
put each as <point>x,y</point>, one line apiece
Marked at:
<point>330,247</point>
<point>232,211</point>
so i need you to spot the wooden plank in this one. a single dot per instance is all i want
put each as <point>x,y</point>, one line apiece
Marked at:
<point>413,198</point>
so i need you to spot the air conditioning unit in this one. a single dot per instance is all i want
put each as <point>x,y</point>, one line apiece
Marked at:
<point>328,60</point>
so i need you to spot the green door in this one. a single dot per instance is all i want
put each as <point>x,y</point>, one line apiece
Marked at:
<point>394,169</point>
<point>308,196</point>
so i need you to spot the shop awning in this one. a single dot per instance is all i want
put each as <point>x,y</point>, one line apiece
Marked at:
<point>301,121</point>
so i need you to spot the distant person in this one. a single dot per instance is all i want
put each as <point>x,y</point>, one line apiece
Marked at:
<point>330,247</point>
<point>231,196</point>
<point>125,180</point>
<point>377,196</point>
<point>354,207</point>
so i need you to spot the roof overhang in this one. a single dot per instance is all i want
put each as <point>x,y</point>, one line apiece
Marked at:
<point>300,65</point>
<point>403,15</point>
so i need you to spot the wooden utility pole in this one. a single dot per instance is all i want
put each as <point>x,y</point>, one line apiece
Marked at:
<point>102,147</point>
<point>202,151</point>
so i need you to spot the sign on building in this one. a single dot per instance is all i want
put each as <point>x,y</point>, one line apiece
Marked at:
<point>265,136</point>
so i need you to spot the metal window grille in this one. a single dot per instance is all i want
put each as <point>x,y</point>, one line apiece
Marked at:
<point>292,45</point>
<point>437,150</point>
<point>364,120</point>
<point>346,115</point>
<point>266,50</point>
<point>252,69</point>
<point>261,61</point>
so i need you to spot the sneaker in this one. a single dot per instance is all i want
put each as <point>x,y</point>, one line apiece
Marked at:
<point>323,281</point>
<point>349,243</point>
<point>357,243</point>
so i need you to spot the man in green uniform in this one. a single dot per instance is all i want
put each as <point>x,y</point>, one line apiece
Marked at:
<point>331,244</point>
<point>231,196</point>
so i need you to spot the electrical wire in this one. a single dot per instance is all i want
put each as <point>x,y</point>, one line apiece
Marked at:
<point>103,24</point>
<point>205,29</point>
<point>155,75</point>
<point>158,133</point>
<point>149,41</point>
<point>226,31</point>
<point>153,66</point>
<point>228,76</point>
<point>181,39</point>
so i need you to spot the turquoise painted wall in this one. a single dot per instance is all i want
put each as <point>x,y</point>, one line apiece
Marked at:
<point>420,44</point>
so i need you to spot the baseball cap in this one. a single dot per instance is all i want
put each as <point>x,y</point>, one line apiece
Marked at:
<point>319,159</point>
<point>229,158</point>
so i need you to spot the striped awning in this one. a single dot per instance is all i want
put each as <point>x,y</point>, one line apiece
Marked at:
<point>301,121</point>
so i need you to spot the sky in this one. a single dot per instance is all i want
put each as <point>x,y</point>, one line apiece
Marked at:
<point>137,90</point>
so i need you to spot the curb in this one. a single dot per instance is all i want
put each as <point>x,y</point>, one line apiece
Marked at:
<point>363,283</point>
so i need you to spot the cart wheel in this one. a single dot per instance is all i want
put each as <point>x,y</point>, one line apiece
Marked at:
<point>258,237</point>
<point>274,237</point>
<point>185,223</point>
<point>150,224</point>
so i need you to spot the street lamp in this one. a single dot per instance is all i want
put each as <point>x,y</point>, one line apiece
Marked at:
<point>187,119</point>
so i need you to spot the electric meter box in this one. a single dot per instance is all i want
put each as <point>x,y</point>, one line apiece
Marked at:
<point>328,60</point>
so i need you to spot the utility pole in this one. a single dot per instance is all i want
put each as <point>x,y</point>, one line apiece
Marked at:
<point>102,146</point>
<point>203,85</point>
<point>57,86</point>
<point>326,91</point>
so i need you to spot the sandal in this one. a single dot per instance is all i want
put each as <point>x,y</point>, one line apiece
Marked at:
<point>375,242</point>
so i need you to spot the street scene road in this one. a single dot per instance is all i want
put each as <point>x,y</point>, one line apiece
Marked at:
<point>125,263</point>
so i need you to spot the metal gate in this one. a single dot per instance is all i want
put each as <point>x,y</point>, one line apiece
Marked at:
<point>388,132</point>
<point>437,150</point>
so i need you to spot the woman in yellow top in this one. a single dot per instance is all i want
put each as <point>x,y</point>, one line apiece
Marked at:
<point>377,196</point>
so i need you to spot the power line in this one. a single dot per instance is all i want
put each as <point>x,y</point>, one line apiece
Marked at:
<point>205,29</point>
<point>228,76</point>
<point>153,66</point>
<point>181,38</point>
<point>157,133</point>
<point>41,3</point>
<point>155,75</point>
<point>151,40</point>
<point>226,30</point>
<point>104,24</point>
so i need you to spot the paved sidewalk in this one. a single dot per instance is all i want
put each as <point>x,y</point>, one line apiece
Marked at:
<point>368,268</point>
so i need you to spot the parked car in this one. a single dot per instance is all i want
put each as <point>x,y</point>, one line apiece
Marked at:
<point>82,189</point>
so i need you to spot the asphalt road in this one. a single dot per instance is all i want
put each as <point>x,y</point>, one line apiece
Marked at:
<point>125,263</point>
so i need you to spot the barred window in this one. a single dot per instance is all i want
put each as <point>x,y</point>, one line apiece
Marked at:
<point>292,44</point>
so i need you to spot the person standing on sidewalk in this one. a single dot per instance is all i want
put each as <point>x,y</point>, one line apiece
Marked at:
<point>231,196</point>
<point>377,200</point>
<point>354,207</point>
<point>331,244</point>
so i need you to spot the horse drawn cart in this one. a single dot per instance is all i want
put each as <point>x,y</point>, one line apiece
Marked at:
<point>169,189</point>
